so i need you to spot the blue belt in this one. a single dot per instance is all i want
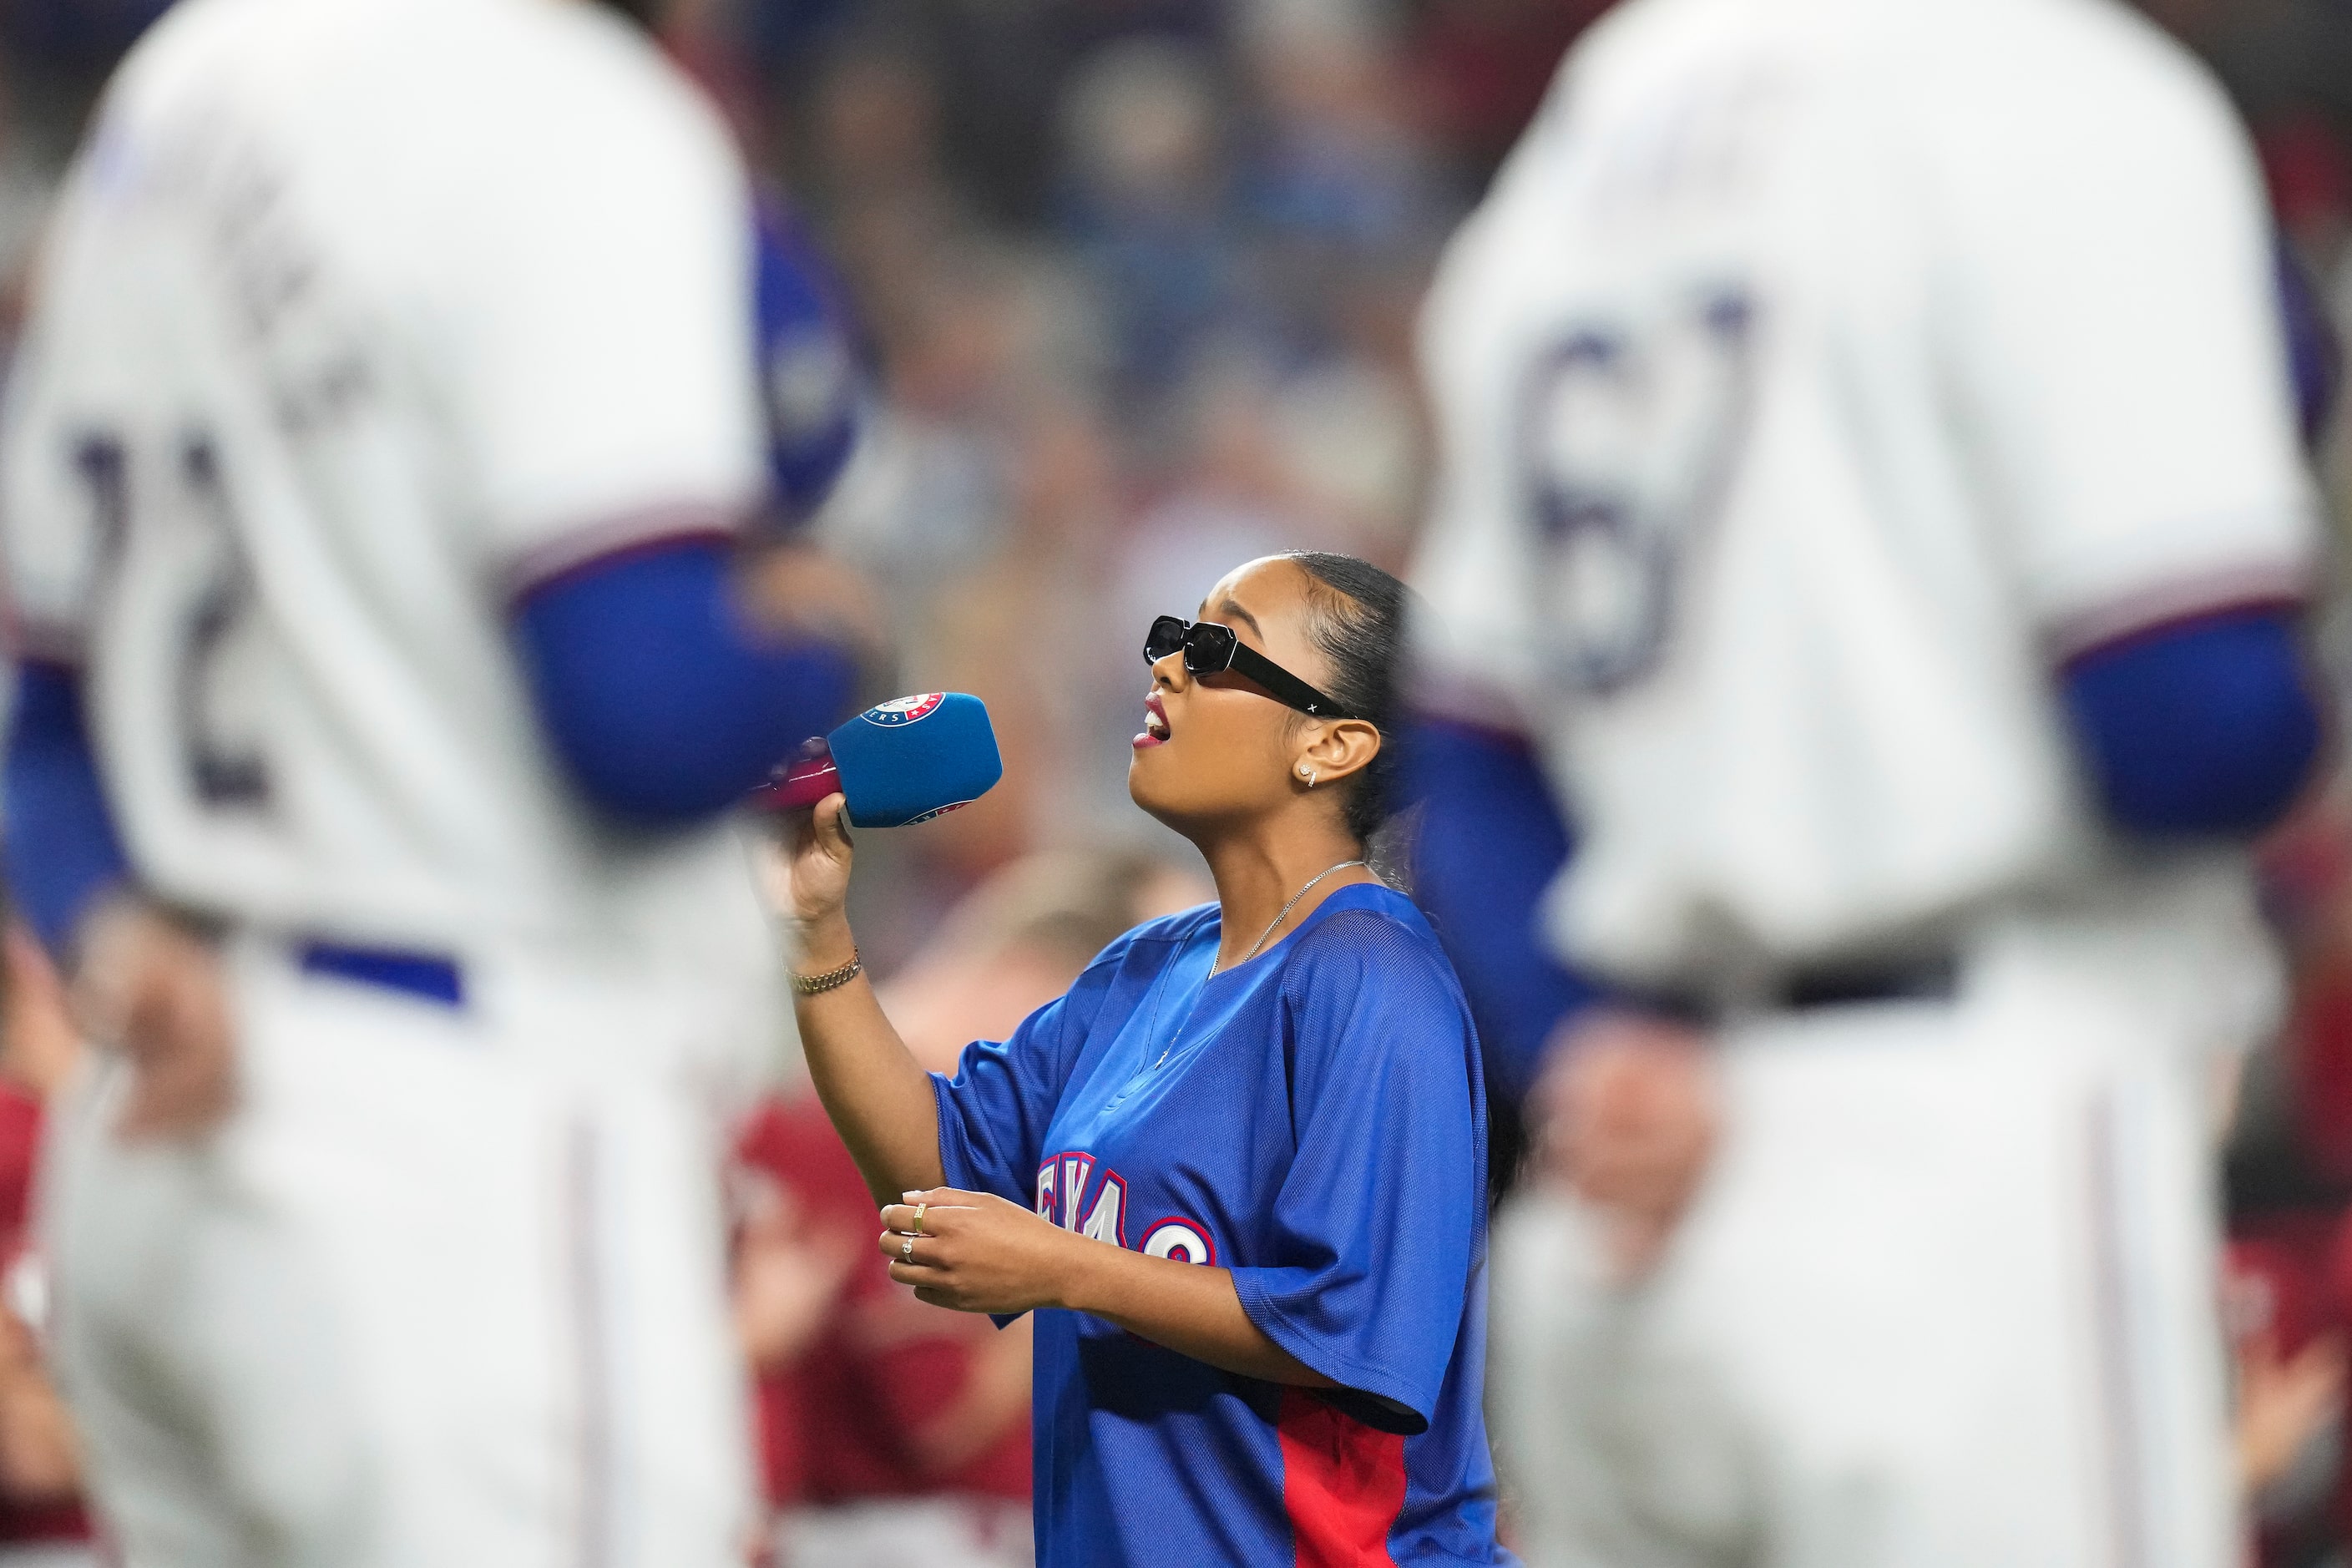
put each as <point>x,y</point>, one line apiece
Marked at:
<point>429,976</point>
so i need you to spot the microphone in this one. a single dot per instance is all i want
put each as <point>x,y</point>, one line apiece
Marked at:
<point>908,760</point>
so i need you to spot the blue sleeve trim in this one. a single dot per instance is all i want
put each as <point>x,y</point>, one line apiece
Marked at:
<point>1491,841</point>
<point>2206,728</point>
<point>662,703</point>
<point>62,848</point>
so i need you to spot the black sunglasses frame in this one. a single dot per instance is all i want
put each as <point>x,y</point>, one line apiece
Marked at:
<point>1213,649</point>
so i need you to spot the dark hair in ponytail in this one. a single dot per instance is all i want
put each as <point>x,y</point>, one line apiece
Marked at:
<point>1356,617</point>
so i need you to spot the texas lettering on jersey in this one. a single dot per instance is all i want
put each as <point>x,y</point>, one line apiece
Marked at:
<point>1073,1195</point>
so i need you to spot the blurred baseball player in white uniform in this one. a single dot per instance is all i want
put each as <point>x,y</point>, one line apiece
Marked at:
<point>1870,480</point>
<point>387,421</point>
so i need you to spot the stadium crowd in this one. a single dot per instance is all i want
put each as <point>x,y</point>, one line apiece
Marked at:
<point>1134,283</point>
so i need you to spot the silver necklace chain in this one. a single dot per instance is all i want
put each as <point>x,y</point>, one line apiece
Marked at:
<point>1284,915</point>
<point>1153,1027</point>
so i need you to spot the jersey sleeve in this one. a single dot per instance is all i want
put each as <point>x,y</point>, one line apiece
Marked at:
<point>603,367</point>
<point>1381,1216</point>
<point>2112,336</point>
<point>994,1112</point>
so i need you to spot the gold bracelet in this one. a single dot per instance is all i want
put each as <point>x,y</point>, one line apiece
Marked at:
<point>832,979</point>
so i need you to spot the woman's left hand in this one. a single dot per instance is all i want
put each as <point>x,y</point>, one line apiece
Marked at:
<point>977,1253</point>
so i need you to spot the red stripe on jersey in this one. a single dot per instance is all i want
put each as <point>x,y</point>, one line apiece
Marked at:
<point>1342,1484</point>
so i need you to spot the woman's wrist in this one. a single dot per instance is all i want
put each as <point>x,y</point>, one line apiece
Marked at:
<point>1088,1282</point>
<point>825,944</point>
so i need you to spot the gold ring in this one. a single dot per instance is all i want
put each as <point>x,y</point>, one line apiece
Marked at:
<point>906,1253</point>
<point>918,1217</point>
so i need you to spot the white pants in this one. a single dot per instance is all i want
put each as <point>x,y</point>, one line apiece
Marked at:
<point>446,1292</point>
<point>1947,1300</point>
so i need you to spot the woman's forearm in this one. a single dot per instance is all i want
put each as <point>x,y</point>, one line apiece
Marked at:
<point>879,1097</point>
<point>1190,1309</point>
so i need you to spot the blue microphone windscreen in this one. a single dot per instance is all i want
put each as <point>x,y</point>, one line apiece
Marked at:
<point>915,758</point>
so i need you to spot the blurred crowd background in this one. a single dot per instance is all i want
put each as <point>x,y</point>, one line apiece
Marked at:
<point>1134,284</point>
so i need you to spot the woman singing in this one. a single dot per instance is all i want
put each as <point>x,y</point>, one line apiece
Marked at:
<point>1269,1108</point>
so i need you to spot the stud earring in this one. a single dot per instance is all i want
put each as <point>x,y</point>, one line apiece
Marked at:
<point>1309,774</point>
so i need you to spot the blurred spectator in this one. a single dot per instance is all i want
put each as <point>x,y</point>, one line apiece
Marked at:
<point>2287,1344</point>
<point>2304,166</point>
<point>2289,1182</point>
<point>1323,460</point>
<point>701,36</point>
<point>1150,205</point>
<point>1020,939</point>
<point>1335,184</point>
<point>25,191</point>
<point>896,1435</point>
<point>980,504</point>
<point>1483,66</point>
<point>874,163</point>
<point>2292,1148</point>
<point>1022,631</point>
<point>42,1524</point>
<point>979,332</point>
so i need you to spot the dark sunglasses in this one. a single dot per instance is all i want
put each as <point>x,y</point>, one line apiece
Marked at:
<point>1212,649</point>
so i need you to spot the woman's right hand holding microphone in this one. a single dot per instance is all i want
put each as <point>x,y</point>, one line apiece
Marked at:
<point>808,880</point>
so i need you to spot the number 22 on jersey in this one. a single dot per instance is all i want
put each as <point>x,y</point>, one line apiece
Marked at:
<point>179,498</point>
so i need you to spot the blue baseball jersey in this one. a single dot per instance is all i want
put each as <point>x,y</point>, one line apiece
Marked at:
<point>1314,1120</point>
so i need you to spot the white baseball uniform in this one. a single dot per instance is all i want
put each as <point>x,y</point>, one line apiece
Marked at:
<point>1817,375</point>
<point>357,320</point>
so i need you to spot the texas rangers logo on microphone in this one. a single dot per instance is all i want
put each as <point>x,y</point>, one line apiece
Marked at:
<point>904,709</point>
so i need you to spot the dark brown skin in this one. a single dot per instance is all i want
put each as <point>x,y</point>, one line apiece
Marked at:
<point>1232,776</point>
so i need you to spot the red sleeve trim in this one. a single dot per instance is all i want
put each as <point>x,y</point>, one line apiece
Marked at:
<point>577,550</point>
<point>2158,609</point>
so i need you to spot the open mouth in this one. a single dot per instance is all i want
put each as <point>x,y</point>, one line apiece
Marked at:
<point>1155,723</point>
